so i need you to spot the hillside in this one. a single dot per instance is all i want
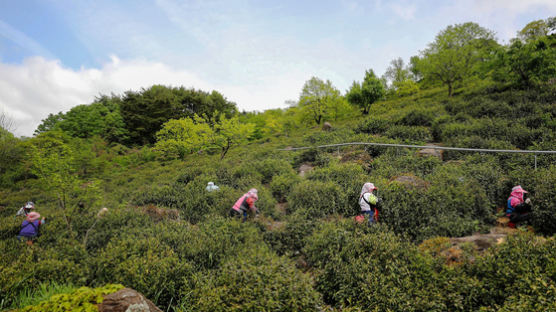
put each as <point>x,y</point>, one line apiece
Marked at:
<point>165,236</point>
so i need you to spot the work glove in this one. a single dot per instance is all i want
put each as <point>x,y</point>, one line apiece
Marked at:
<point>528,201</point>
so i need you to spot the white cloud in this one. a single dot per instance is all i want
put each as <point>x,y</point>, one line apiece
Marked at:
<point>37,87</point>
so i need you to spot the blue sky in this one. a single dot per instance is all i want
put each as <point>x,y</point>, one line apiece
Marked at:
<point>56,54</point>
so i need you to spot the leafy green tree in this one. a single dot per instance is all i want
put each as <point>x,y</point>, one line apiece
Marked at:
<point>528,64</point>
<point>10,152</point>
<point>537,29</point>
<point>397,71</point>
<point>318,99</point>
<point>52,160</point>
<point>365,94</point>
<point>178,138</point>
<point>100,118</point>
<point>455,54</point>
<point>145,112</point>
<point>49,123</point>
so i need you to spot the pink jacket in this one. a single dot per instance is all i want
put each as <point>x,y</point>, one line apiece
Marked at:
<point>244,202</point>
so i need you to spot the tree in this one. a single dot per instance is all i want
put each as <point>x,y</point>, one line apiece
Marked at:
<point>527,64</point>
<point>318,99</point>
<point>100,118</point>
<point>397,72</point>
<point>365,94</point>
<point>146,111</point>
<point>181,137</point>
<point>52,160</point>
<point>10,150</point>
<point>454,54</point>
<point>536,29</point>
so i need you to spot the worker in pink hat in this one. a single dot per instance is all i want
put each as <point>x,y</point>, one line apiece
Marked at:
<point>244,204</point>
<point>518,208</point>
<point>30,227</point>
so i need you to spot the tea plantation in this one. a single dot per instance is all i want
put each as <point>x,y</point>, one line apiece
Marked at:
<point>164,235</point>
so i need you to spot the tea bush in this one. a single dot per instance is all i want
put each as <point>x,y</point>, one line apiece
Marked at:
<point>290,237</point>
<point>409,134</point>
<point>543,199</point>
<point>282,184</point>
<point>522,268</point>
<point>255,280</point>
<point>349,177</point>
<point>383,272</point>
<point>145,264</point>
<point>373,125</point>
<point>271,167</point>
<point>418,117</point>
<point>316,199</point>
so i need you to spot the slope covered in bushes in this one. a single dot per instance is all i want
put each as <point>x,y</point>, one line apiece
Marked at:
<point>164,235</point>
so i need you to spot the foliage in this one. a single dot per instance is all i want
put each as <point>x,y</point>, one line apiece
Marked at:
<point>528,64</point>
<point>319,100</point>
<point>373,125</point>
<point>365,94</point>
<point>253,281</point>
<point>454,54</point>
<point>83,299</point>
<point>281,185</point>
<point>102,118</point>
<point>145,112</point>
<point>178,138</point>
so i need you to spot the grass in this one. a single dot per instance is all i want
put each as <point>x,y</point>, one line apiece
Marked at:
<point>34,296</point>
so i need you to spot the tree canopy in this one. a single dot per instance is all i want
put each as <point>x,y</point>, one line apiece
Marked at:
<point>319,99</point>
<point>145,112</point>
<point>365,94</point>
<point>180,137</point>
<point>454,54</point>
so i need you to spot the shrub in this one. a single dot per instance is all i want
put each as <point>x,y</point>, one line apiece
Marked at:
<point>521,268</point>
<point>409,133</point>
<point>254,280</point>
<point>316,199</point>
<point>83,299</point>
<point>382,273</point>
<point>290,237</point>
<point>144,264</point>
<point>417,117</point>
<point>544,209</point>
<point>282,184</point>
<point>271,167</point>
<point>373,125</point>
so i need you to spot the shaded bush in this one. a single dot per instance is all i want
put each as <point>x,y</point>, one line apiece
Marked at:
<point>417,117</point>
<point>409,133</point>
<point>373,125</point>
<point>271,167</point>
<point>290,237</point>
<point>383,272</point>
<point>254,280</point>
<point>282,184</point>
<point>316,199</point>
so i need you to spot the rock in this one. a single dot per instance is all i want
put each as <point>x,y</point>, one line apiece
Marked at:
<point>481,241</point>
<point>159,214</point>
<point>304,168</point>
<point>127,300</point>
<point>431,152</point>
<point>410,181</point>
<point>326,126</point>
